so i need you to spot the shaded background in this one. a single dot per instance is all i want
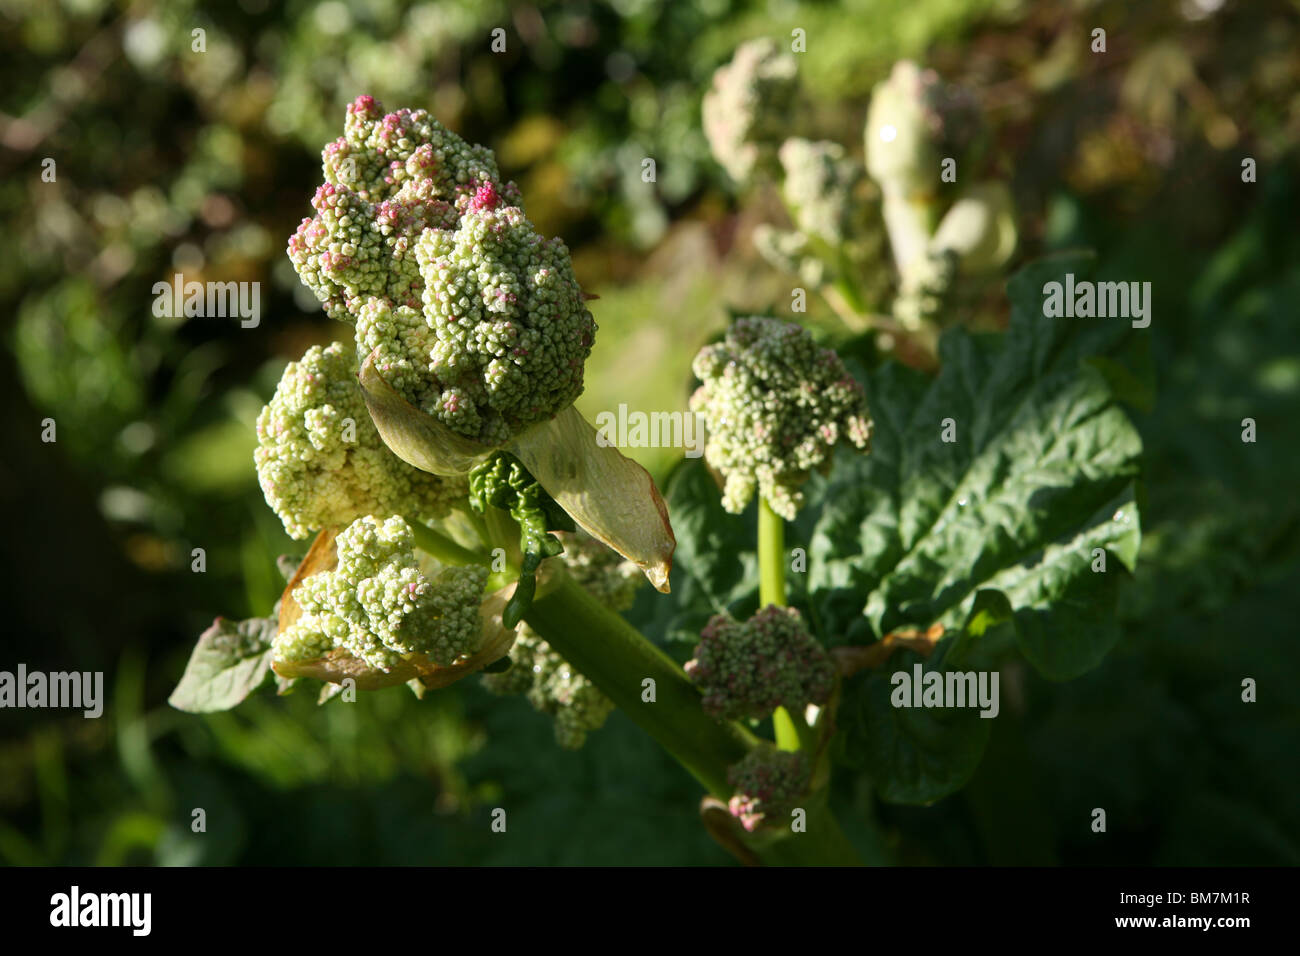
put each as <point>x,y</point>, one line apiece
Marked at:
<point>204,163</point>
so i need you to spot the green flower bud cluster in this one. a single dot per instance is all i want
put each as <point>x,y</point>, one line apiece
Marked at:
<point>836,213</point>
<point>475,318</point>
<point>551,685</point>
<point>775,405</point>
<point>379,606</point>
<point>826,191</point>
<point>502,338</point>
<point>914,121</point>
<point>320,460</point>
<point>389,178</point>
<point>790,252</point>
<point>768,784</point>
<point>925,290</point>
<point>746,670</point>
<point>609,577</point>
<point>752,106</point>
<point>976,235</point>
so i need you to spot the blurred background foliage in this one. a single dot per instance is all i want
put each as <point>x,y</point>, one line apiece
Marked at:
<point>170,160</point>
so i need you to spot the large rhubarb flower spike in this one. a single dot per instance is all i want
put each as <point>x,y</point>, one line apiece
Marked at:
<point>471,329</point>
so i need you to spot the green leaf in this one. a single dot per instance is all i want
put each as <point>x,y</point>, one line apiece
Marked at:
<point>1064,611</point>
<point>1133,388</point>
<point>612,497</point>
<point>912,754</point>
<point>990,609</point>
<point>231,660</point>
<point>1042,471</point>
<point>989,626</point>
<point>717,567</point>
<point>992,535</point>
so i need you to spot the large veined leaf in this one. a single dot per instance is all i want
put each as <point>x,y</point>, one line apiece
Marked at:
<point>717,567</point>
<point>1037,488</point>
<point>918,754</point>
<point>1021,527</point>
<point>911,754</point>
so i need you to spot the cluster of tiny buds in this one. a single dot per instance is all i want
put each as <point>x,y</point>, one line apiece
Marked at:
<point>776,405</point>
<point>767,783</point>
<point>746,670</point>
<point>469,313</point>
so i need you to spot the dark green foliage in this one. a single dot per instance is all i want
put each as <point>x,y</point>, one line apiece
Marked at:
<point>196,164</point>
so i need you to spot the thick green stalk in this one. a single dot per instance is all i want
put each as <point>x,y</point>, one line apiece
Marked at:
<point>771,555</point>
<point>771,590</point>
<point>442,547</point>
<point>613,655</point>
<point>910,222</point>
<point>449,552</point>
<point>786,727</point>
<point>617,659</point>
